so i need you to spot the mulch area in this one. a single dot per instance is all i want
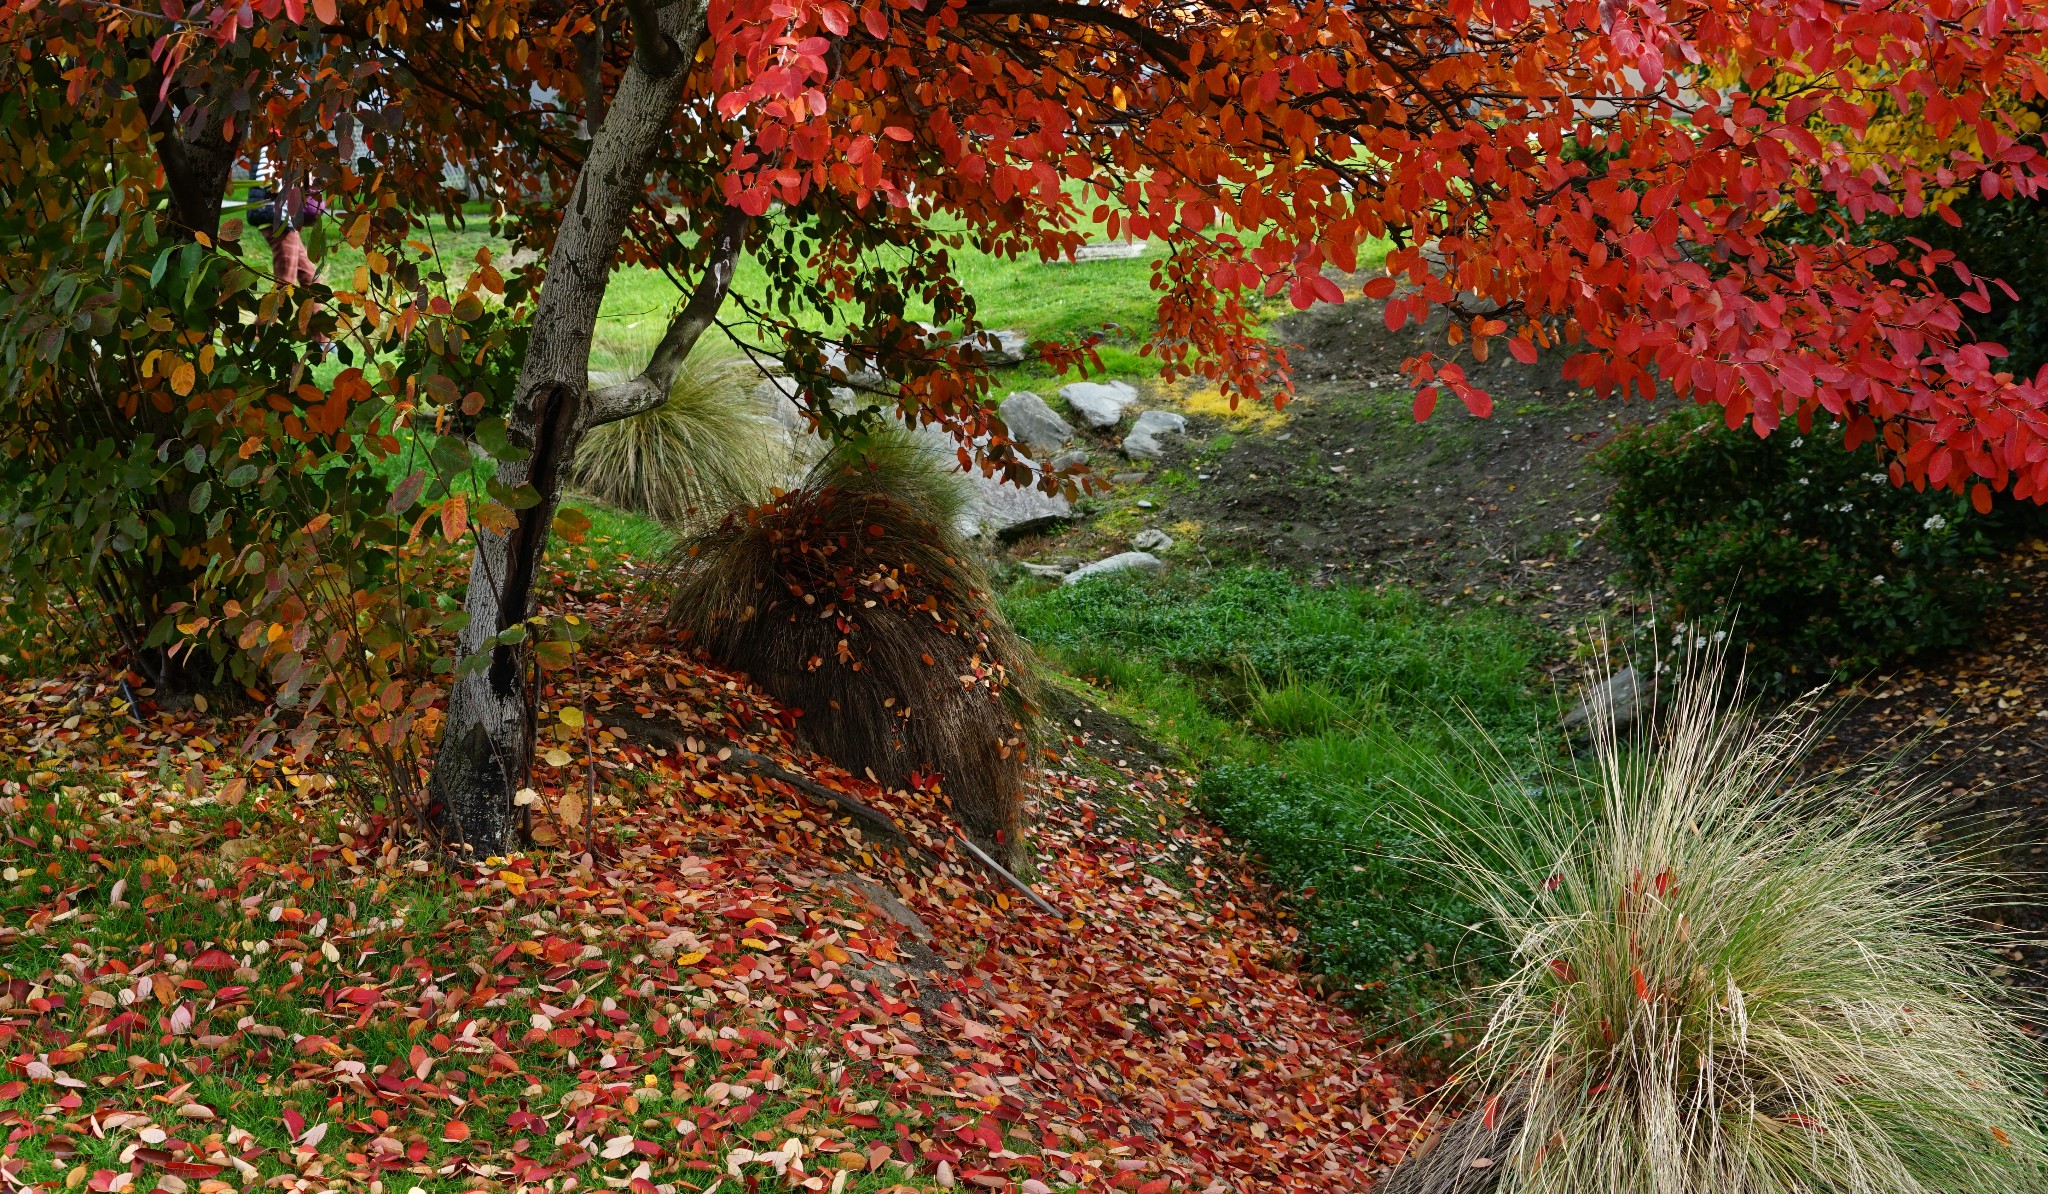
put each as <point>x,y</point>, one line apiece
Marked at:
<point>1972,725</point>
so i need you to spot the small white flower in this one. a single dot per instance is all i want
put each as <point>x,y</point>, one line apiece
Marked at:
<point>1804,481</point>
<point>1898,547</point>
<point>1877,580</point>
<point>1880,478</point>
<point>1798,441</point>
<point>1935,522</point>
<point>1720,636</point>
<point>1701,641</point>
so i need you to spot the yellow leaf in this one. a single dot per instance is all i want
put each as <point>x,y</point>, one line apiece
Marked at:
<point>753,943</point>
<point>571,809</point>
<point>454,518</point>
<point>530,948</point>
<point>837,954</point>
<point>572,717</point>
<point>692,958</point>
<point>557,757</point>
<point>182,378</point>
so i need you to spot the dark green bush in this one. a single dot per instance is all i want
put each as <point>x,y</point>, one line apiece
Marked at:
<point>1817,562</point>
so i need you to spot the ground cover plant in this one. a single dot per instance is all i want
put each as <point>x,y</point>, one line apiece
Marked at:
<point>1738,977</point>
<point>1315,716</point>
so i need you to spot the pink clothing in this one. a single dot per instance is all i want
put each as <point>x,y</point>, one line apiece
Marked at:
<point>289,262</point>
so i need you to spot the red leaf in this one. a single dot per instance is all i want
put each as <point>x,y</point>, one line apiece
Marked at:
<point>214,961</point>
<point>1379,288</point>
<point>1642,985</point>
<point>1425,403</point>
<point>325,10</point>
<point>1522,350</point>
<point>1980,498</point>
<point>456,1132</point>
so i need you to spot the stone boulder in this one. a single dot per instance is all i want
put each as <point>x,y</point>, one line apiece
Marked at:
<point>1129,561</point>
<point>1099,403</point>
<point>1621,698</point>
<point>1152,539</point>
<point>1034,424</point>
<point>1000,346</point>
<point>1006,511</point>
<point>1143,442</point>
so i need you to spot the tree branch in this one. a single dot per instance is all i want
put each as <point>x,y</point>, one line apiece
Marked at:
<point>656,49</point>
<point>1164,50</point>
<point>651,387</point>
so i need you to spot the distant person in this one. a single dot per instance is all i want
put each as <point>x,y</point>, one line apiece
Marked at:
<point>280,215</point>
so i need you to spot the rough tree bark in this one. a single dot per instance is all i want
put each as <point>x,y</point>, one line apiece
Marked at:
<point>189,131</point>
<point>486,748</point>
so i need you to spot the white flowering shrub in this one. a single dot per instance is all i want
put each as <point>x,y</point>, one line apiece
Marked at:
<point>1820,563</point>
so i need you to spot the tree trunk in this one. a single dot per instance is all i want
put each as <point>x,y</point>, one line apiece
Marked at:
<point>198,160</point>
<point>486,748</point>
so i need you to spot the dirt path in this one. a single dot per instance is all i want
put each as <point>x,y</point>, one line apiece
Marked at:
<point>1973,724</point>
<point>1349,486</point>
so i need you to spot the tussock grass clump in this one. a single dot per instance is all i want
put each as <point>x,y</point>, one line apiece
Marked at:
<point>852,600</point>
<point>1733,979</point>
<point>706,450</point>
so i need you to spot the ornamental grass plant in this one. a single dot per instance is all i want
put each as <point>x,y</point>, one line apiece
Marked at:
<point>1729,976</point>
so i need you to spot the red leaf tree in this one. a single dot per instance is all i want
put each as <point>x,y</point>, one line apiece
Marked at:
<point>1640,181</point>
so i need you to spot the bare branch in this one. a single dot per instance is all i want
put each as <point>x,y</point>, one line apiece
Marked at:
<point>645,392</point>
<point>1164,50</point>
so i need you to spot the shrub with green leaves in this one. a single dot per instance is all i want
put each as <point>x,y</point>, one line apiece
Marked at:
<point>1808,551</point>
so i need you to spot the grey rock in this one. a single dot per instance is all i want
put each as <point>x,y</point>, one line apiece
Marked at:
<point>1127,478</point>
<point>855,371</point>
<point>1621,699</point>
<point>1045,571</point>
<point>1071,456</point>
<point>1111,250</point>
<point>1129,561</point>
<point>1099,403</point>
<point>1143,442</point>
<point>1000,346</point>
<point>1152,539</point>
<point>1008,511</point>
<point>885,902</point>
<point>776,396</point>
<point>1033,423</point>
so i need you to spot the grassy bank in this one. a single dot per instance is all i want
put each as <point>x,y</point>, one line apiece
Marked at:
<point>1315,716</point>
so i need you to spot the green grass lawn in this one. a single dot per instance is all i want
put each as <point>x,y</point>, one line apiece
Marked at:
<point>1045,301</point>
<point>1319,719</point>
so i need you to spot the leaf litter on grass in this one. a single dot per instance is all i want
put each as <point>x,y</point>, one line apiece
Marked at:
<point>218,976</point>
